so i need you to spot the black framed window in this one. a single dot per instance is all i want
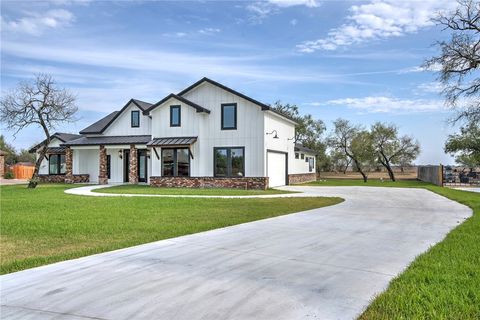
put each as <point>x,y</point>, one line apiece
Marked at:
<point>306,159</point>
<point>297,155</point>
<point>302,156</point>
<point>109,159</point>
<point>135,119</point>
<point>229,162</point>
<point>175,116</point>
<point>229,116</point>
<point>176,162</point>
<point>57,164</point>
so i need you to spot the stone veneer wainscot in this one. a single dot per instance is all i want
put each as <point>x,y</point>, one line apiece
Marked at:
<point>257,183</point>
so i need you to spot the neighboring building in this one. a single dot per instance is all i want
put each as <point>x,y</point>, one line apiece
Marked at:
<point>208,135</point>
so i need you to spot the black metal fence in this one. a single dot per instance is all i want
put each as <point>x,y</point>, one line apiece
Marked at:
<point>461,176</point>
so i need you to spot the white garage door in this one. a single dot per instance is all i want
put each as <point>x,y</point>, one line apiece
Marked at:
<point>276,169</point>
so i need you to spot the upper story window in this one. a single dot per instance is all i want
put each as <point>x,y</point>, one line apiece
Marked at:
<point>229,116</point>
<point>135,120</point>
<point>175,116</point>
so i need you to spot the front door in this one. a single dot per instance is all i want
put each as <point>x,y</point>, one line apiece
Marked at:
<point>142,165</point>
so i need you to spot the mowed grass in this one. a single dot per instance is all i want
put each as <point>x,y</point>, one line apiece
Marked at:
<point>45,225</point>
<point>443,283</point>
<point>143,189</point>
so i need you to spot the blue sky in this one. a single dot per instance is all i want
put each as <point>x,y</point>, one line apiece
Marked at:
<point>358,60</point>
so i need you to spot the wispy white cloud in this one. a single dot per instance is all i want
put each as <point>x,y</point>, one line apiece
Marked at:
<point>430,87</point>
<point>209,31</point>
<point>290,3</point>
<point>172,63</point>
<point>35,23</point>
<point>385,104</point>
<point>262,9</point>
<point>183,34</point>
<point>293,22</point>
<point>379,20</point>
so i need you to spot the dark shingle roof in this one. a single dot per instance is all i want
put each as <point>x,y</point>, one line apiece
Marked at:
<point>172,141</point>
<point>263,106</point>
<point>64,137</point>
<point>101,125</point>
<point>181,99</point>
<point>301,148</point>
<point>141,104</point>
<point>109,140</point>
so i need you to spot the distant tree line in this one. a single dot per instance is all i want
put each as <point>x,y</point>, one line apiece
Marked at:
<point>352,145</point>
<point>12,155</point>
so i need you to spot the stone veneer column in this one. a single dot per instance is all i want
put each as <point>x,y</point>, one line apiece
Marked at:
<point>69,165</point>
<point>133,174</point>
<point>102,172</point>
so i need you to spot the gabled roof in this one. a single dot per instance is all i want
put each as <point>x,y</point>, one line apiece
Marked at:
<point>109,140</point>
<point>263,106</point>
<point>102,124</point>
<point>141,104</point>
<point>64,137</point>
<point>179,98</point>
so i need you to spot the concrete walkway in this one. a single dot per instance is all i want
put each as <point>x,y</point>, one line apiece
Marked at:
<point>325,263</point>
<point>88,191</point>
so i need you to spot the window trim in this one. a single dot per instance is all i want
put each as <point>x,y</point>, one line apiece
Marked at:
<point>234,104</point>
<point>179,107</point>
<point>175,164</point>
<point>131,118</point>
<point>59,164</point>
<point>229,164</point>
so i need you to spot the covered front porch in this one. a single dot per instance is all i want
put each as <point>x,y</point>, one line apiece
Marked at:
<point>109,159</point>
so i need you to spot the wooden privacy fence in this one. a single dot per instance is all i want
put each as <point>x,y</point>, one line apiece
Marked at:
<point>22,171</point>
<point>432,174</point>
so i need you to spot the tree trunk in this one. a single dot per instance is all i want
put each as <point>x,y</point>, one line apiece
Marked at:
<point>33,181</point>
<point>387,166</point>
<point>359,168</point>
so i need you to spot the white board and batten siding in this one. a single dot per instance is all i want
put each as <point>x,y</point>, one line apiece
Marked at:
<point>279,159</point>
<point>301,165</point>
<point>86,160</point>
<point>122,124</point>
<point>249,132</point>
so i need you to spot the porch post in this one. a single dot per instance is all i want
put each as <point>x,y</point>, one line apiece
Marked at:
<point>69,165</point>
<point>102,172</point>
<point>133,174</point>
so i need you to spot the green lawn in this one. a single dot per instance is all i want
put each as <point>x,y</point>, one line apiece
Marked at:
<point>143,189</point>
<point>443,283</point>
<point>45,225</point>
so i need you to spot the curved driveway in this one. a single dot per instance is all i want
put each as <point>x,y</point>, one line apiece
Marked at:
<point>324,263</point>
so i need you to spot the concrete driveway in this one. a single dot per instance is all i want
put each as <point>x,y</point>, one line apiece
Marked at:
<point>320,264</point>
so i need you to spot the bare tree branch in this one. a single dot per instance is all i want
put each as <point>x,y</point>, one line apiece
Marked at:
<point>40,103</point>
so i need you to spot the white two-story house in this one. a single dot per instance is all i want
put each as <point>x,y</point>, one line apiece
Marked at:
<point>207,135</point>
